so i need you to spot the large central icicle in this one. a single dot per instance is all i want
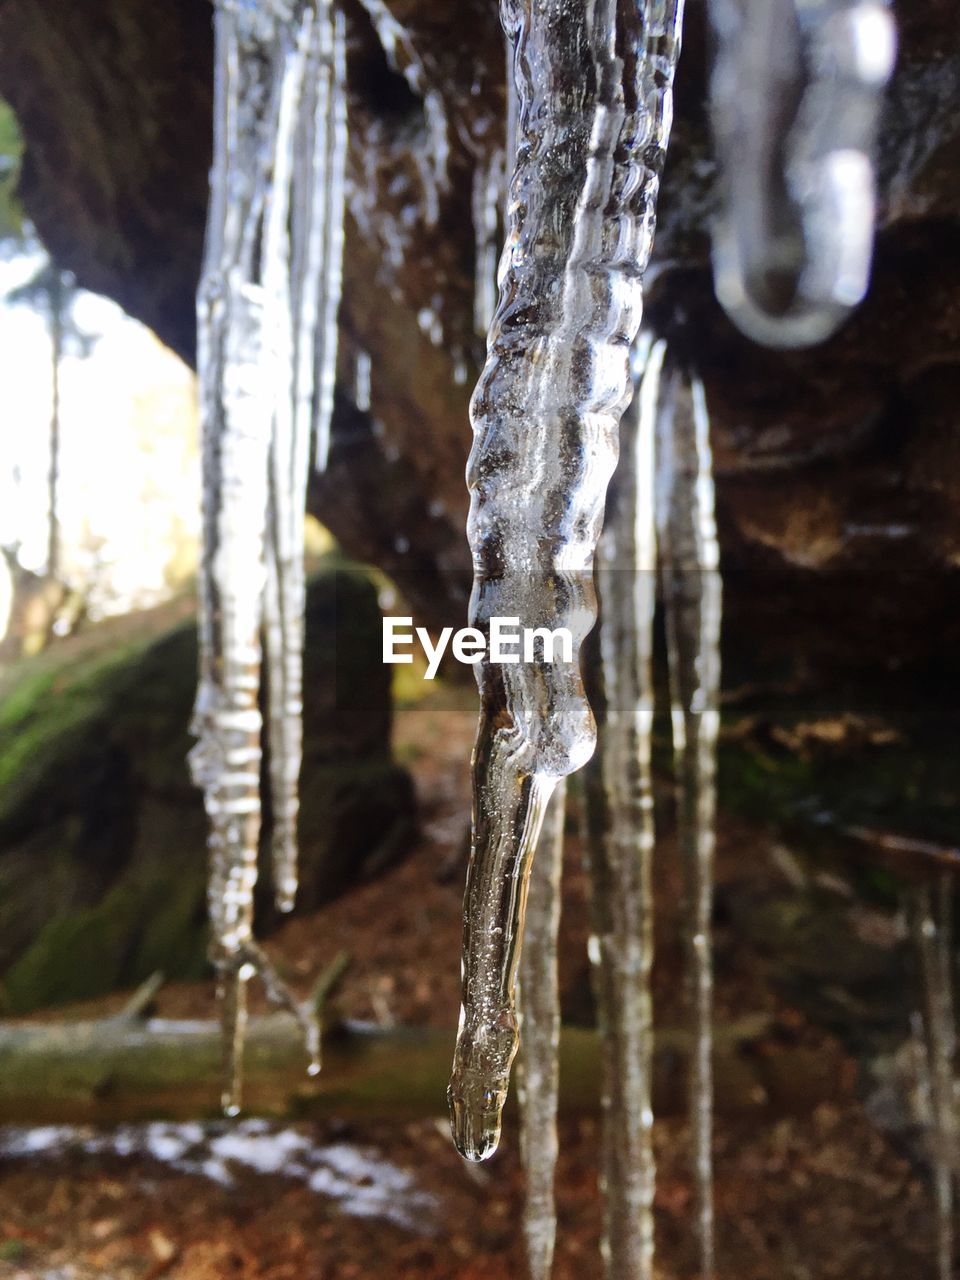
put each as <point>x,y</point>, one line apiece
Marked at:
<point>595,111</point>
<point>539,1064</point>
<point>266,352</point>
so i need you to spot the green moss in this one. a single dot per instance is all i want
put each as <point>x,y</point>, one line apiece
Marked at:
<point>18,705</point>
<point>76,956</point>
<point>102,834</point>
<point>46,722</point>
<point>11,155</point>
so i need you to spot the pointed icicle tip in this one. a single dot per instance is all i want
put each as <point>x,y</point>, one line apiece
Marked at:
<point>285,901</point>
<point>475,1120</point>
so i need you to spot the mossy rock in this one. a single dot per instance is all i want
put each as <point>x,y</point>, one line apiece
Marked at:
<point>102,834</point>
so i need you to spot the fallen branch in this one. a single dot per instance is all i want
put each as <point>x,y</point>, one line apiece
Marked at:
<point>138,1006</point>
<point>117,1070</point>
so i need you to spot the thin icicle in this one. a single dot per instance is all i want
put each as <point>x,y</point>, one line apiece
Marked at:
<point>595,98</point>
<point>488,184</point>
<point>538,1076</point>
<point>620,840</point>
<point>274,231</point>
<point>432,158</point>
<point>513,111</point>
<point>692,593</point>
<point>363,381</point>
<point>303,253</point>
<point>236,411</point>
<point>329,179</point>
<point>285,585</point>
<point>931,917</point>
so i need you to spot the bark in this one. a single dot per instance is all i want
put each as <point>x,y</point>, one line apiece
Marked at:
<point>57,324</point>
<point>35,600</point>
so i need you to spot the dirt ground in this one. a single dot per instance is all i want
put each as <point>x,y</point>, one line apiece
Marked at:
<point>804,1194</point>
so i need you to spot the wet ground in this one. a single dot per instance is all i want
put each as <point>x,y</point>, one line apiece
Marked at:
<point>807,1186</point>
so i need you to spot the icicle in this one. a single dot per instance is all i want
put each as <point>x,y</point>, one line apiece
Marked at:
<point>620,840</point>
<point>538,1077</point>
<point>931,917</point>
<point>513,111</point>
<point>329,191</point>
<point>488,184</point>
<point>795,95</point>
<point>595,96</point>
<point>459,367</point>
<point>431,326</point>
<point>285,585</point>
<point>433,157</point>
<point>690,558</point>
<point>269,289</point>
<point>491,179</point>
<point>303,254</point>
<point>363,383</point>
<point>237,429</point>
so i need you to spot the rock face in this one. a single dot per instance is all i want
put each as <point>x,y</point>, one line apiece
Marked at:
<point>837,500</point>
<point>102,835</point>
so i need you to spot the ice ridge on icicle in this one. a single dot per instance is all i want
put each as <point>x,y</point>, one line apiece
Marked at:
<point>595,110</point>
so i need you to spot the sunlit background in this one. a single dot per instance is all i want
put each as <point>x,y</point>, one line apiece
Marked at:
<point>128,484</point>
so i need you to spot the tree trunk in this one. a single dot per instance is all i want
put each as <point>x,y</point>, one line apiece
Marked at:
<point>57,304</point>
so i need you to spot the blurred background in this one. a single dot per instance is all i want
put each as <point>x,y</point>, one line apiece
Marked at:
<point>838,494</point>
<point>64,519</point>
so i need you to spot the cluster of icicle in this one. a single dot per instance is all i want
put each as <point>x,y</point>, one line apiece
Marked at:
<point>792,249</point>
<point>795,93</point>
<point>267,320</point>
<point>660,514</point>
